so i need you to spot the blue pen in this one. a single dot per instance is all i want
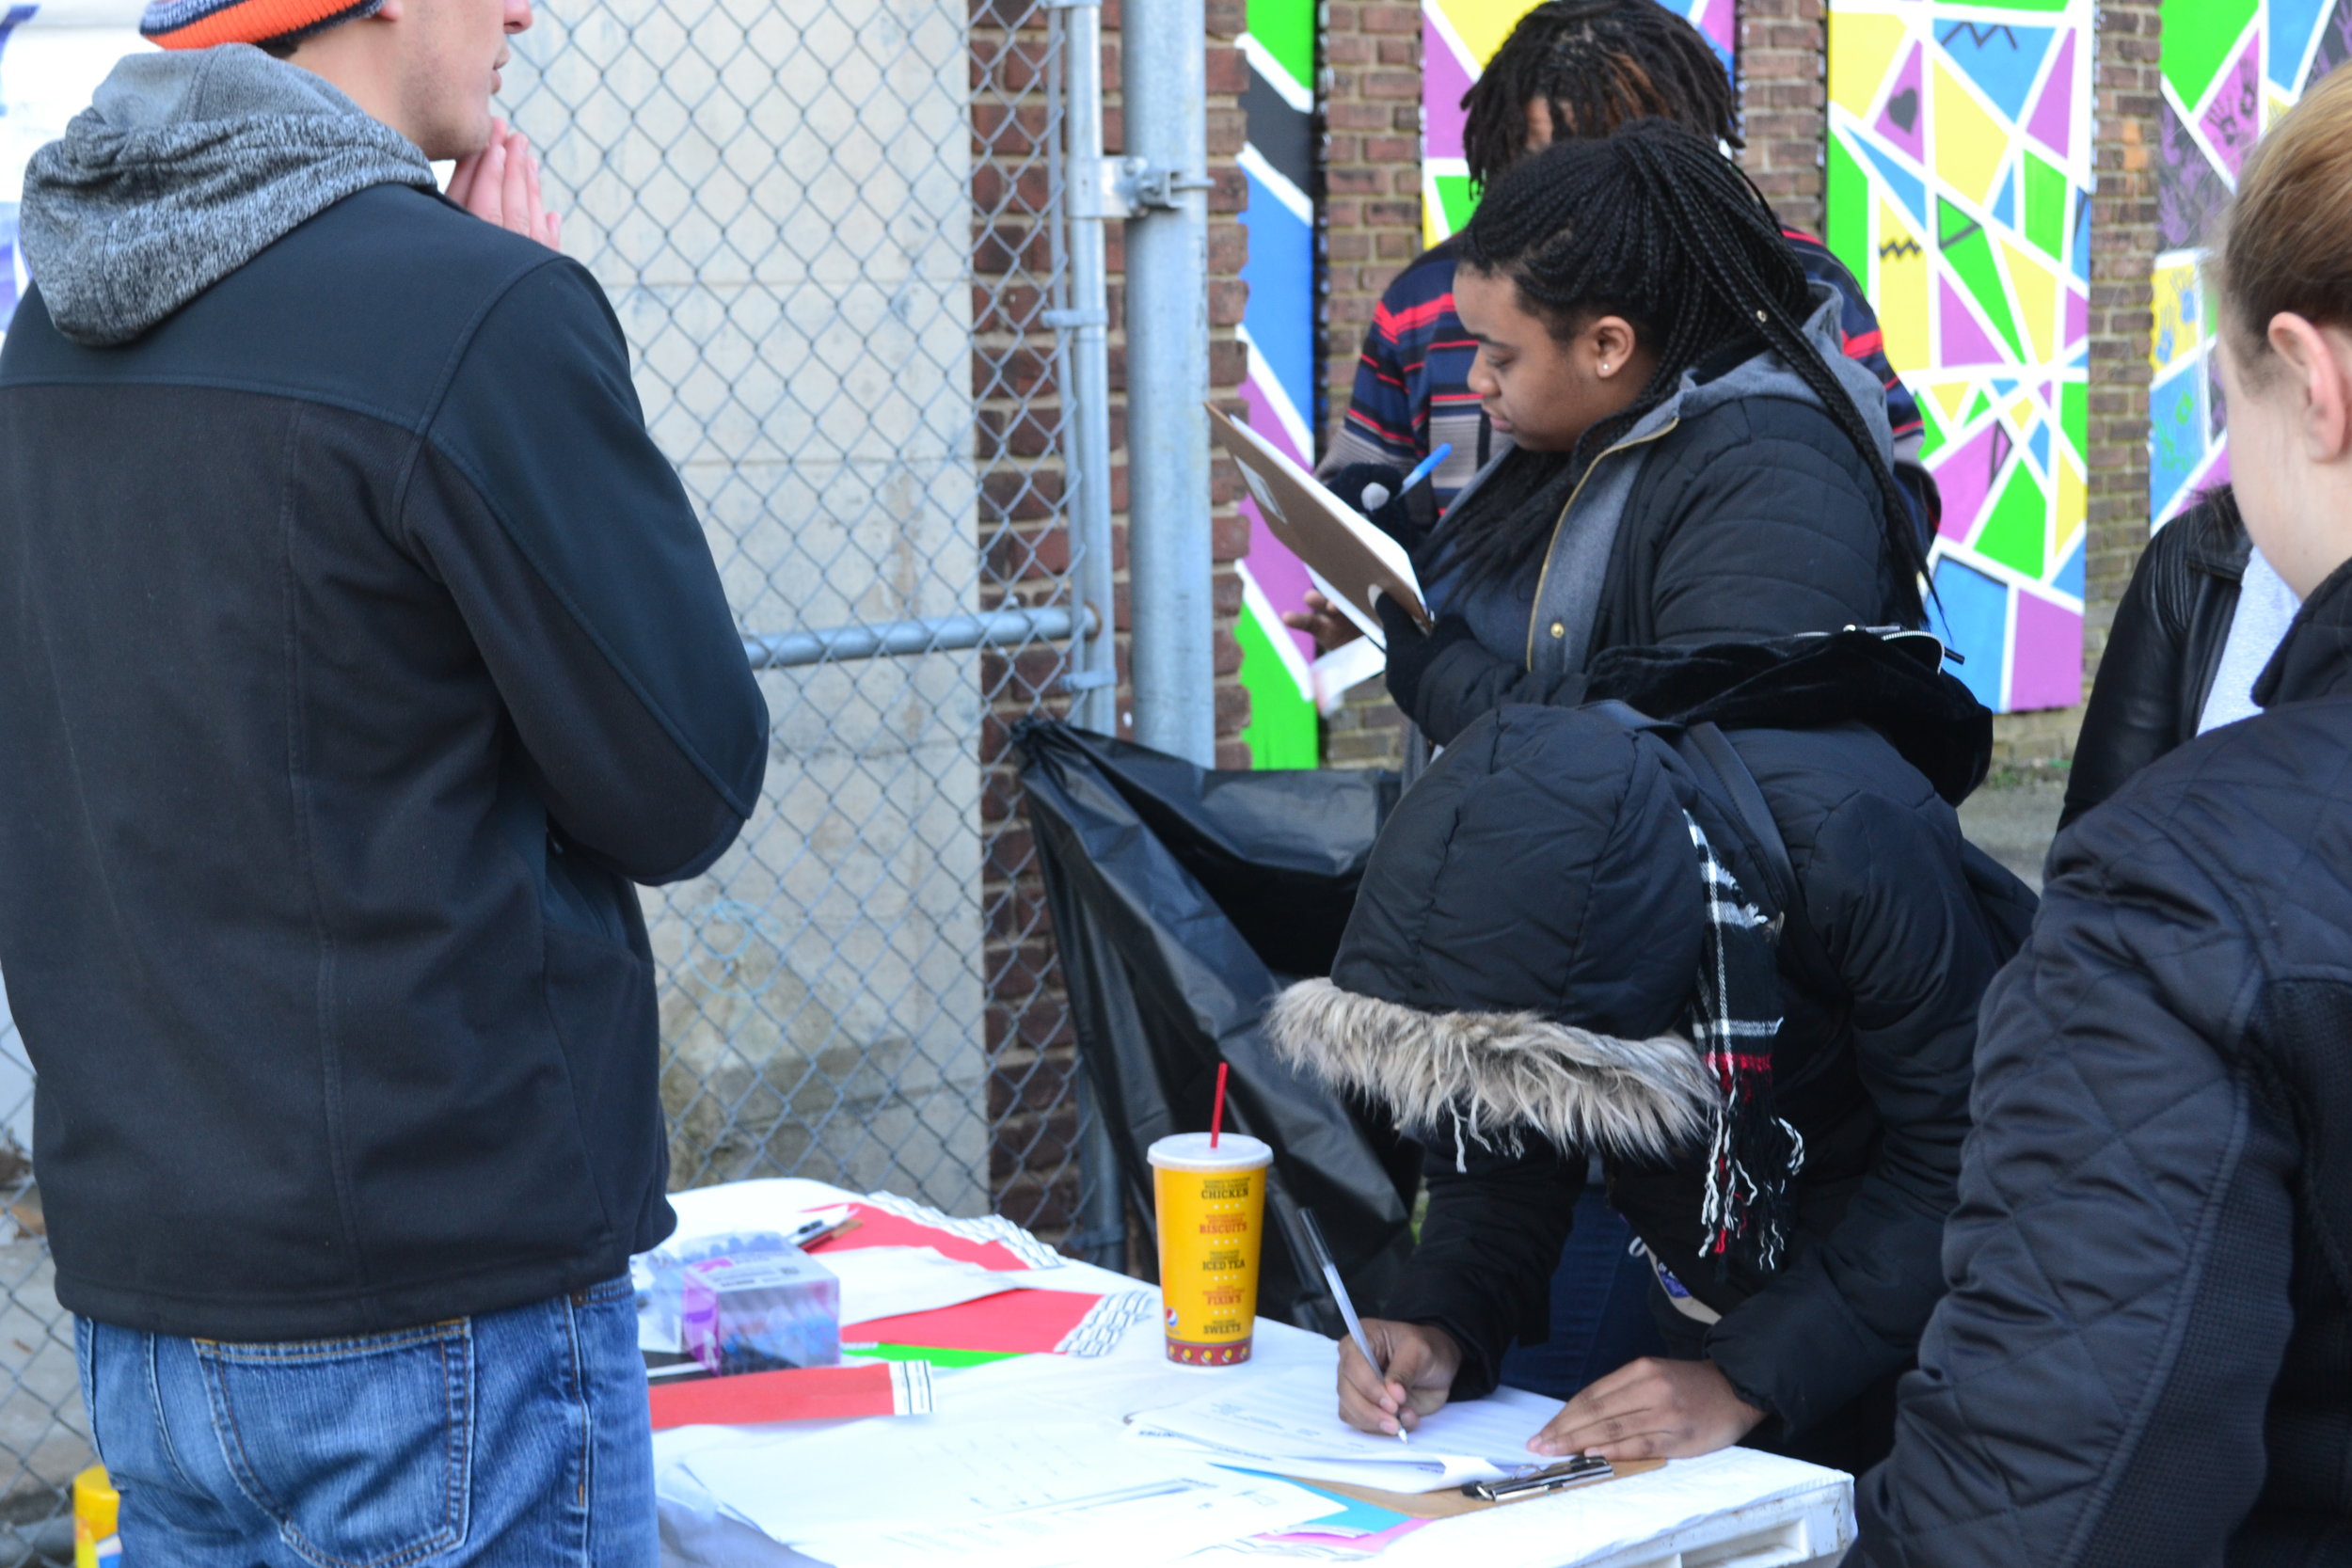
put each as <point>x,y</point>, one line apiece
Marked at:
<point>1427,467</point>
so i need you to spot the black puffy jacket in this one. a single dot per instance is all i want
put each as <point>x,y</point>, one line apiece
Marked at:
<point>1752,516</point>
<point>2163,652</point>
<point>2146,1357</point>
<point>1536,891</point>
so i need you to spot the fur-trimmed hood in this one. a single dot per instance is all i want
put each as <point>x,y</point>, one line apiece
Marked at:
<point>1501,1073</point>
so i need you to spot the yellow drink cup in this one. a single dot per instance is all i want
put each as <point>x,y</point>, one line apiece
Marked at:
<point>1211,1207</point>
<point>95,1544</point>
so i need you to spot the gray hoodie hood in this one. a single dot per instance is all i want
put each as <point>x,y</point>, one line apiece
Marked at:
<point>186,166</point>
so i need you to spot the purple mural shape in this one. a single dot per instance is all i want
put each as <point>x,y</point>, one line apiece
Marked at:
<point>2077,321</point>
<point>2233,118</point>
<point>1965,478</point>
<point>1442,93</point>
<point>2046,663</point>
<point>2053,121</point>
<point>1901,122</point>
<point>1964,341</point>
<point>2335,42</point>
<point>2189,193</point>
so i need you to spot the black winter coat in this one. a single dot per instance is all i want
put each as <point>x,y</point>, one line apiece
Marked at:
<point>1755,519</point>
<point>358,650</point>
<point>2146,1357</point>
<point>2164,650</point>
<point>1543,867</point>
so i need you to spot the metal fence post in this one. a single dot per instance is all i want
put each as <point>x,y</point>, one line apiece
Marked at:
<point>1084,324</point>
<point>1164,78</point>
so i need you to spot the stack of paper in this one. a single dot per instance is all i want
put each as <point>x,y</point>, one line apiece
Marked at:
<point>1022,1495</point>
<point>1289,1423</point>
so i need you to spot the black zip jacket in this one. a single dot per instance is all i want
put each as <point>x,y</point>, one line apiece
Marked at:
<point>2163,651</point>
<point>358,650</point>
<point>2146,1357</point>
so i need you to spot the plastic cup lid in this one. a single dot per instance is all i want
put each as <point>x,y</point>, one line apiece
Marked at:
<point>1191,1151</point>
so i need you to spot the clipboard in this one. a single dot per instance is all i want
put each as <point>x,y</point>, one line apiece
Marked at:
<point>1352,561</point>
<point>1450,1502</point>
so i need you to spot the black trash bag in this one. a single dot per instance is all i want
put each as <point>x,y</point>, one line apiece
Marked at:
<point>1184,898</point>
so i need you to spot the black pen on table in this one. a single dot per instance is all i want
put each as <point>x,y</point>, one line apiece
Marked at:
<point>1347,1306</point>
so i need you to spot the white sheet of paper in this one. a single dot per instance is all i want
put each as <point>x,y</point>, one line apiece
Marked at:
<point>922,1471</point>
<point>1156,1523</point>
<point>1291,1424</point>
<point>885,1281</point>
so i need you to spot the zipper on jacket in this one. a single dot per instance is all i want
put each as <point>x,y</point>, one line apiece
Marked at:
<point>1552,544</point>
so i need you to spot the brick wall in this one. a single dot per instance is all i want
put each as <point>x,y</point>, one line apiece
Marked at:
<point>1031,1051</point>
<point>1784,98</point>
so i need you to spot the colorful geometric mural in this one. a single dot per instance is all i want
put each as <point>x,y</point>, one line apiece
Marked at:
<point>1279,328</point>
<point>1959,192</point>
<point>2230,68</point>
<point>1457,39</point>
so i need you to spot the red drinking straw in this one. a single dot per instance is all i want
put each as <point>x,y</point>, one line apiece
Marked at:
<point>1216,1117</point>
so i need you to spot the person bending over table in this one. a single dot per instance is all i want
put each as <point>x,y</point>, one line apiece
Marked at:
<point>1558,908</point>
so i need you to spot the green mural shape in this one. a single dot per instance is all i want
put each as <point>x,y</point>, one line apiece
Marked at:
<point>2197,37</point>
<point>1283,730</point>
<point>1976,410</point>
<point>2075,416</point>
<point>1287,28</point>
<point>2045,208</point>
<point>1931,431</point>
<point>2012,536</point>
<point>1849,215</point>
<point>1969,254</point>
<point>1458,201</point>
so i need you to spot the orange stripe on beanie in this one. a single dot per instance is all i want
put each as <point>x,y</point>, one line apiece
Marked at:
<point>201,24</point>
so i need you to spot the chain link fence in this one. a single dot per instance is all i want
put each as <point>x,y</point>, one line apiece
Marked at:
<point>834,234</point>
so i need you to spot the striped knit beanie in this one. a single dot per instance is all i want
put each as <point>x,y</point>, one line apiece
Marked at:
<point>201,24</point>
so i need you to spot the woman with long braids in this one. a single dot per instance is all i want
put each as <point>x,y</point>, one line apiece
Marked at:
<point>1697,460</point>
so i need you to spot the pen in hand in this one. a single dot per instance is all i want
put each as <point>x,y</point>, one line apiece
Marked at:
<point>1347,1306</point>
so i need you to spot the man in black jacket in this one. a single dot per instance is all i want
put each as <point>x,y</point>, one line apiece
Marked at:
<point>1531,926</point>
<point>2146,1356</point>
<point>358,650</point>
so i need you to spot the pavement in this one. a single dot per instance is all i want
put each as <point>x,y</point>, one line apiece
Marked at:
<point>2013,821</point>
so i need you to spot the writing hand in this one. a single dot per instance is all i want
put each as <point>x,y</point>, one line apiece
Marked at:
<point>1650,1409</point>
<point>1418,1363</point>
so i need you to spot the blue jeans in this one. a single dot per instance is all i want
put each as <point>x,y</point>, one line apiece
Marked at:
<point>1600,1313</point>
<point>515,1438</point>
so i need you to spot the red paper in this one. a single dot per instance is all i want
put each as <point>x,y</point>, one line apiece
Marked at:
<point>880,1227</point>
<point>795,1394</point>
<point>1029,1321</point>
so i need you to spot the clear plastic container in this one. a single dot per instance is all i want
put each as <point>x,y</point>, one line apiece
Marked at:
<point>759,1314</point>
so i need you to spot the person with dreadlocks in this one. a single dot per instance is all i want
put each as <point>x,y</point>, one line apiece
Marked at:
<point>1696,460</point>
<point>1570,69</point>
<point>1738,963</point>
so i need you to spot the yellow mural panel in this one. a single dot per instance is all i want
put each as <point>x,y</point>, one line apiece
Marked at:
<point>2179,310</point>
<point>2037,290</point>
<point>1482,24</point>
<point>1861,47</point>
<point>1969,142</point>
<point>1902,293</point>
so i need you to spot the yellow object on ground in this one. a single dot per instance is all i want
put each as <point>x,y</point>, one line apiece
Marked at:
<point>95,1504</point>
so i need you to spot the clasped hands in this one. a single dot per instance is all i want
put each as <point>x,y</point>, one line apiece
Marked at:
<point>500,184</point>
<point>1647,1409</point>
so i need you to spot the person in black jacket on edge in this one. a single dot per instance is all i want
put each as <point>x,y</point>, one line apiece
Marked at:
<point>1557,910</point>
<point>359,651</point>
<point>2202,617</point>
<point>1697,460</point>
<point>2146,1356</point>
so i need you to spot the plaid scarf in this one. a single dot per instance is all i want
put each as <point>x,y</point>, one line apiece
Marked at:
<point>1753,1156</point>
